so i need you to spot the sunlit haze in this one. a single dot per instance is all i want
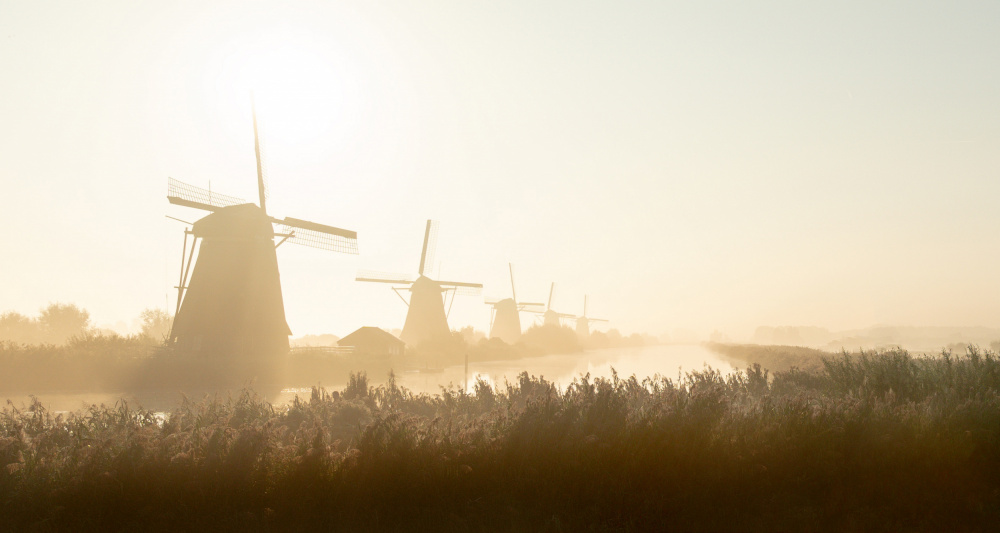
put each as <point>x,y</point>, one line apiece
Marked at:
<point>691,167</point>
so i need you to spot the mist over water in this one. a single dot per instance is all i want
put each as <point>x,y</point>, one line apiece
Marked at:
<point>667,360</point>
<point>561,369</point>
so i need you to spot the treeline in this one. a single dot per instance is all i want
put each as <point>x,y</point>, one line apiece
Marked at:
<point>58,323</point>
<point>61,350</point>
<point>880,441</point>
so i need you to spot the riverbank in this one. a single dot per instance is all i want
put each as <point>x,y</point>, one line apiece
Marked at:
<point>772,357</point>
<point>883,441</point>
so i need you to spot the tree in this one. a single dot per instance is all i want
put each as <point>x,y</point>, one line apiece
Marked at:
<point>15,327</point>
<point>156,324</point>
<point>61,322</point>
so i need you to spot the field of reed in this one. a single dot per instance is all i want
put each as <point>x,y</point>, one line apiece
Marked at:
<point>872,441</point>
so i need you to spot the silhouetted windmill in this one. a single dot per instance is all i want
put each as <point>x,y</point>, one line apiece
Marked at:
<point>426,318</point>
<point>231,302</point>
<point>549,316</point>
<point>583,321</point>
<point>505,319</point>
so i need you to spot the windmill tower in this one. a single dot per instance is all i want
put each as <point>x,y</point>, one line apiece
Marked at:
<point>583,321</point>
<point>549,316</point>
<point>426,319</point>
<point>230,303</point>
<point>505,319</point>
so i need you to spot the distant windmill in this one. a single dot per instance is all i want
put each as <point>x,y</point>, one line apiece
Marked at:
<point>231,302</point>
<point>583,321</point>
<point>505,320</point>
<point>426,318</point>
<point>549,316</point>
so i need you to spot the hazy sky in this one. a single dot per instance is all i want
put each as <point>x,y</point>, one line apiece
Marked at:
<point>694,165</point>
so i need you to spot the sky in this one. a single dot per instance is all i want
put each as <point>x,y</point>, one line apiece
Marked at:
<point>691,166</point>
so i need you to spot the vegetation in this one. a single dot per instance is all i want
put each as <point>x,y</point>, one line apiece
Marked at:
<point>875,441</point>
<point>773,357</point>
<point>89,363</point>
<point>55,324</point>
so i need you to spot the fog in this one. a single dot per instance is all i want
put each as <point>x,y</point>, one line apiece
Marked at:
<point>698,168</point>
<point>520,266</point>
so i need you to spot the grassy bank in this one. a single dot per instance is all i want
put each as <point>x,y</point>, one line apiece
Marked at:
<point>773,357</point>
<point>883,441</point>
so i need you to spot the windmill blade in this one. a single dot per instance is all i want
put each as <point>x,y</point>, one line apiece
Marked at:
<point>492,301</point>
<point>180,193</point>
<point>320,240</point>
<point>532,304</point>
<point>513,292</point>
<point>314,226</point>
<point>261,170</point>
<point>383,277</point>
<point>551,290</point>
<point>461,284</point>
<point>465,289</point>
<point>598,320</point>
<point>320,236</point>
<point>430,246</point>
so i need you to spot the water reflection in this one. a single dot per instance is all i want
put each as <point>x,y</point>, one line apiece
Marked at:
<point>665,360</point>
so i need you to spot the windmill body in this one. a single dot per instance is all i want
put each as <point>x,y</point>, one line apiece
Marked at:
<point>233,302</point>
<point>583,321</point>
<point>426,318</point>
<point>552,318</point>
<point>506,320</point>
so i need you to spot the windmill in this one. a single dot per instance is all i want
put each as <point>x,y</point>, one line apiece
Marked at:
<point>505,319</point>
<point>230,302</point>
<point>549,316</point>
<point>583,321</point>
<point>426,318</point>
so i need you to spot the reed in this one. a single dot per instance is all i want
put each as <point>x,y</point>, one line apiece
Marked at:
<point>873,441</point>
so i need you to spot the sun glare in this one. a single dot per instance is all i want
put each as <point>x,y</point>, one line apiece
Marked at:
<point>294,82</point>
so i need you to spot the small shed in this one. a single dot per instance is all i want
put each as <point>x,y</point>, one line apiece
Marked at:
<point>372,341</point>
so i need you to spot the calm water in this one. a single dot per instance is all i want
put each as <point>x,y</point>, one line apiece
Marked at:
<point>665,360</point>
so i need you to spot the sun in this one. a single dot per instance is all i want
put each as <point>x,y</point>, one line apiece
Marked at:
<point>294,80</point>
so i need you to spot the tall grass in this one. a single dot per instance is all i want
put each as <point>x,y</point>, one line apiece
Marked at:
<point>878,441</point>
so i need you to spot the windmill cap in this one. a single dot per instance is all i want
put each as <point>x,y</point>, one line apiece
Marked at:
<point>238,222</point>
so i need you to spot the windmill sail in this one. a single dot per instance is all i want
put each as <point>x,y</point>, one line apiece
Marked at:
<point>320,236</point>
<point>261,172</point>
<point>463,290</point>
<point>180,193</point>
<point>427,254</point>
<point>383,277</point>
